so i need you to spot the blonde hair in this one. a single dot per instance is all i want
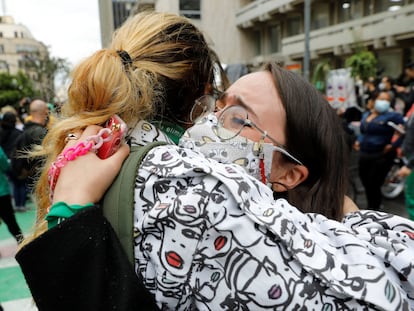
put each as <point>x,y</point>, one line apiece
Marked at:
<point>171,65</point>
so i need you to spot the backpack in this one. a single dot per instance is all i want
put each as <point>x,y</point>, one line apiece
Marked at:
<point>118,201</point>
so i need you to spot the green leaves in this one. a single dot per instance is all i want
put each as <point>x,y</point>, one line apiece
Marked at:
<point>362,64</point>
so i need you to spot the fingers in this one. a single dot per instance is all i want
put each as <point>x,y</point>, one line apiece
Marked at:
<point>75,137</point>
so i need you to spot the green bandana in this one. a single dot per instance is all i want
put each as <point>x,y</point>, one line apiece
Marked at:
<point>172,130</point>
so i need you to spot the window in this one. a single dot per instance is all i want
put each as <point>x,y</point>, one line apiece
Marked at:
<point>320,15</point>
<point>1,49</point>
<point>257,42</point>
<point>294,25</point>
<point>345,11</point>
<point>190,8</point>
<point>274,33</point>
<point>387,5</point>
<point>26,48</point>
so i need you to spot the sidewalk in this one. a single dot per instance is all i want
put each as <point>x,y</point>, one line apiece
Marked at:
<point>14,293</point>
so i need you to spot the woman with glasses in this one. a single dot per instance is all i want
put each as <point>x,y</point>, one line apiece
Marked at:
<point>308,149</point>
<point>207,235</point>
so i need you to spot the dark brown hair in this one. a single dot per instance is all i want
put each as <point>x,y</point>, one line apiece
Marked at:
<point>314,134</point>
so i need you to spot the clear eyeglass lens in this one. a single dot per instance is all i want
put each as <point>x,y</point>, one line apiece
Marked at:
<point>202,107</point>
<point>231,122</point>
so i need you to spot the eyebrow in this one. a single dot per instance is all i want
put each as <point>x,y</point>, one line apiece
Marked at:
<point>241,103</point>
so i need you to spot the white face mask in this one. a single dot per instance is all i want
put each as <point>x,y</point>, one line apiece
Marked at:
<point>382,105</point>
<point>254,157</point>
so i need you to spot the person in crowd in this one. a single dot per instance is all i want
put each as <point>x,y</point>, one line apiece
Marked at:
<point>9,108</point>
<point>407,169</point>
<point>387,85</point>
<point>376,148</point>
<point>9,135</point>
<point>24,168</point>
<point>406,93</point>
<point>6,205</point>
<point>24,108</point>
<point>209,236</point>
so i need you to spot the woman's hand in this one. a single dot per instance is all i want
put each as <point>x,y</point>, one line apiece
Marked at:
<point>85,179</point>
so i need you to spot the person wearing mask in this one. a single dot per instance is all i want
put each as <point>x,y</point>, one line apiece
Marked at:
<point>387,85</point>
<point>376,148</point>
<point>208,235</point>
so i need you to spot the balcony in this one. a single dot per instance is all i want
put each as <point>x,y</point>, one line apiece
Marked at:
<point>261,10</point>
<point>380,30</point>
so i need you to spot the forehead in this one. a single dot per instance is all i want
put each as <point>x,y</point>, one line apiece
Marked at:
<point>384,95</point>
<point>258,91</point>
<point>261,80</point>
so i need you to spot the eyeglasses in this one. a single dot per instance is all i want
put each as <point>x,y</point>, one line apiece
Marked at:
<point>234,118</point>
<point>202,107</point>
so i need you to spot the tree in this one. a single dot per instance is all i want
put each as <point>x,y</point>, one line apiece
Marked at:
<point>14,87</point>
<point>320,74</point>
<point>43,71</point>
<point>363,64</point>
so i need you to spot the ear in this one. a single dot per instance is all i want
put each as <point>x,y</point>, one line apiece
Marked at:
<point>290,178</point>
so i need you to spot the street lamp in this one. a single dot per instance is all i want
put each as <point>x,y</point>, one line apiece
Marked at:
<point>306,58</point>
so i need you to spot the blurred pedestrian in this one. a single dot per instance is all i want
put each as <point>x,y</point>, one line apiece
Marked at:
<point>6,206</point>
<point>24,169</point>
<point>407,169</point>
<point>9,135</point>
<point>376,148</point>
<point>406,93</point>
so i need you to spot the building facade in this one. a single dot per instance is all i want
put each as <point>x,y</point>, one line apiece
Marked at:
<point>18,48</point>
<point>112,13</point>
<point>255,31</point>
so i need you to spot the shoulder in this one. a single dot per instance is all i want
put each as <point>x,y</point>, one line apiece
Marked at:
<point>175,163</point>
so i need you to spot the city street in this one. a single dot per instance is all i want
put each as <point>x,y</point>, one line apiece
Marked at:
<point>14,293</point>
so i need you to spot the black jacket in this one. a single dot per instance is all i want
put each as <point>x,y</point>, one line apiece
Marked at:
<point>80,265</point>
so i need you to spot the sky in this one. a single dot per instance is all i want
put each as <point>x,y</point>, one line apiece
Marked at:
<point>70,28</point>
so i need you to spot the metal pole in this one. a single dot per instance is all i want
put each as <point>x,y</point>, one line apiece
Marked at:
<point>306,58</point>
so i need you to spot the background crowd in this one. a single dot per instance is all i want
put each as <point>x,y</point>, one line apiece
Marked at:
<point>379,132</point>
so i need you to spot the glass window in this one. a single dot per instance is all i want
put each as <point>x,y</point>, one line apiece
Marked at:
<point>274,33</point>
<point>1,49</point>
<point>320,15</point>
<point>387,5</point>
<point>257,42</point>
<point>190,8</point>
<point>294,25</point>
<point>344,11</point>
<point>357,9</point>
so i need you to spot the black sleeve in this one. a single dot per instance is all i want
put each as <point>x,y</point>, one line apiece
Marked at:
<point>80,265</point>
